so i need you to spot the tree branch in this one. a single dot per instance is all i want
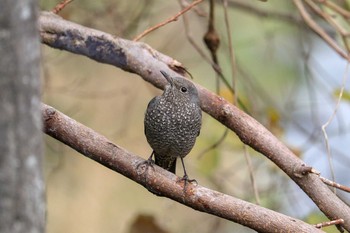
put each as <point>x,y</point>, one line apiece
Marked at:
<point>163,183</point>
<point>319,30</point>
<point>141,59</point>
<point>252,9</point>
<point>169,20</point>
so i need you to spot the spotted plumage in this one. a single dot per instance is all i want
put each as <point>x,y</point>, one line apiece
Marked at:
<point>173,122</point>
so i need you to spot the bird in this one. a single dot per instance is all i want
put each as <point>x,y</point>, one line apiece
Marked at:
<point>173,122</point>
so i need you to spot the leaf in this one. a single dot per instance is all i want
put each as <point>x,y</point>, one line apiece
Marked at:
<point>345,97</point>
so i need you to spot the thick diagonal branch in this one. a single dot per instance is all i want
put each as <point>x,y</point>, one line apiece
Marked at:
<point>163,183</point>
<point>141,59</point>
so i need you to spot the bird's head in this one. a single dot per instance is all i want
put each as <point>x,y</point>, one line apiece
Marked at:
<point>180,89</point>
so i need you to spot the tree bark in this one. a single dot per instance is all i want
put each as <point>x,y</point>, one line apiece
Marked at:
<point>22,206</point>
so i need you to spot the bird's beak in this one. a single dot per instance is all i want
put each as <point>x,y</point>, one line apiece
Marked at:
<point>167,77</point>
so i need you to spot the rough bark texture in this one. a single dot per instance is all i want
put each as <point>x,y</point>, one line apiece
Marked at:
<point>161,182</point>
<point>22,206</point>
<point>141,59</point>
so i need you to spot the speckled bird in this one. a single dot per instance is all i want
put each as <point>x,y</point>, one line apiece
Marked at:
<point>172,122</point>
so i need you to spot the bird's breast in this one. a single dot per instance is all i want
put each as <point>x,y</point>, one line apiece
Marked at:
<point>172,128</point>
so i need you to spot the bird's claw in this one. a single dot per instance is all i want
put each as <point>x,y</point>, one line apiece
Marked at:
<point>187,180</point>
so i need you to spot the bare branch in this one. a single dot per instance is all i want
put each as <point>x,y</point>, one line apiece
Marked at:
<point>141,59</point>
<point>330,223</point>
<point>171,19</point>
<point>342,11</point>
<point>335,185</point>
<point>163,183</point>
<point>60,6</point>
<point>252,9</point>
<point>317,29</point>
<point>306,17</point>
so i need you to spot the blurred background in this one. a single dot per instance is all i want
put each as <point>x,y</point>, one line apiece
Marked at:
<point>286,77</point>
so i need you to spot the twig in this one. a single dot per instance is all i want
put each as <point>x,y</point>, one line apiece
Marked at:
<point>189,35</point>
<point>330,223</point>
<point>212,41</point>
<point>216,68</point>
<point>251,174</point>
<point>171,19</point>
<point>196,46</point>
<point>338,27</point>
<point>307,18</point>
<point>316,28</point>
<point>330,119</point>
<point>231,52</point>
<point>252,9</point>
<point>199,12</point>
<point>214,145</point>
<point>336,8</point>
<point>304,170</point>
<point>235,98</point>
<point>335,185</point>
<point>327,17</point>
<point>60,6</point>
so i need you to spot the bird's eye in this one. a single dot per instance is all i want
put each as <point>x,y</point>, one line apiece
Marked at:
<point>183,89</point>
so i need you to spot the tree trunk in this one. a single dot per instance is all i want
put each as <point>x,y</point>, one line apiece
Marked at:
<point>22,206</point>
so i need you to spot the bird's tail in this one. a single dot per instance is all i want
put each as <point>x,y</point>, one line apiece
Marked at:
<point>166,163</point>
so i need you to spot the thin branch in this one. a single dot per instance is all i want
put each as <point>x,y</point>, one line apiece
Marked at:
<point>316,28</point>
<point>327,17</point>
<point>163,183</point>
<point>330,119</point>
<point>212,41</point>
<point>141,59</point>
<point>231,52</point>
<point>169,20</point>
<point>251,174</point>
<point>330,19</point>
<point>235,97</point>
<point>252,9</point>
<point>295,20</point>
<point>335,185</point>
<point>214,145</point>
<point>61,6</point>
<point>303,170</point>
<point>183,4</point>
<point>330,223</point>
<point>336,8</point>
<point>215,66</point>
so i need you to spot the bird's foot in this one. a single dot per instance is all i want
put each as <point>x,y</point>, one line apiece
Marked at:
<point>144,165</point>
<point>186,180</point>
